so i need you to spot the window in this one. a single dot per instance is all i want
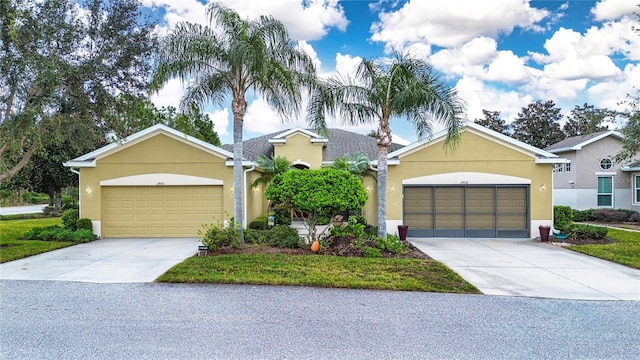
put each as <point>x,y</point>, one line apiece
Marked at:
<point>560,167</point>
<point>606,164</point>
<point>567,167</point>
<point>605,191</point>
<point>637,189</point>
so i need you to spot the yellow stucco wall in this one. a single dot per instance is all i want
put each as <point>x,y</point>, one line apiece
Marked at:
<point>158,154</point>
<point>474,154</point>
<point>299,147</point>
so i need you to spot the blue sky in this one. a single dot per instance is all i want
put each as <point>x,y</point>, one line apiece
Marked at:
<point>500,55</point>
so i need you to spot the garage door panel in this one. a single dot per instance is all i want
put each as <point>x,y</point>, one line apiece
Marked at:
<point>159,211</point>
<point>467,210</point>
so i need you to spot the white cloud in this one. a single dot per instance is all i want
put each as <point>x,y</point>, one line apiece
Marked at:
<point>479,96</point>
<point>574,68</point>
<point>309,20</point>
<point>610,94</point>
<point>169,95</point>
<point>454,22</point>
<point>220,120</point>
<point>613,9</point>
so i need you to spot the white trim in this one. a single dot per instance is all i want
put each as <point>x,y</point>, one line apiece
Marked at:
<point>282,138</point>
<point>612,194</point>
<point>600,173</point>
<point>467,178</point>
<point>160,179</point>
<point>244,163</point>
<point>389,162</point>
<point>301,162</point>
<point>89,159</point>
<point>555,160</point>
<point>635,188</point>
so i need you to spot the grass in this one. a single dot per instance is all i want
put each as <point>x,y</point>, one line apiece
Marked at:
<point>12,248</point>
<point>320,271</point>
<point>625,251</point>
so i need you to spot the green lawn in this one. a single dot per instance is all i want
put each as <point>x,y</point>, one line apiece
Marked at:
<point>12,248</point>
<point>320,271</point>
<point>626,251</point>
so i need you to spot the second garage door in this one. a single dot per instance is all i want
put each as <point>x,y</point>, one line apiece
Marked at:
<point>467,211</point>
<point>159,211</point>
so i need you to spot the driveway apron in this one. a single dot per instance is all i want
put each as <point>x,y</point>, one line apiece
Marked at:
<point>104,261</point>
<point>524,267</point>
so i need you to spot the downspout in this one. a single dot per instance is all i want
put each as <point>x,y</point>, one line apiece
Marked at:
<point>79,189</point>
<point>244,217</point>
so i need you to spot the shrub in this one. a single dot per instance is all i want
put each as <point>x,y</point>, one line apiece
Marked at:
<point>83,235</point>
<point>70,219</point>
<point>84,224</point>
<point>51,211</point>
<point>583,231</point>
<point>562,218</point>
<point>256,236</point>
<point>391,244</point>
<point>57,233</point>
<point>582,215</point>
<point>371,252</point>
<point>351,228</point>
<point>282,215</point>
<point>283,236</point>
<point>216,235</point>
<point>259,223</point>
<point>609,215</point>
<point>635,217</point>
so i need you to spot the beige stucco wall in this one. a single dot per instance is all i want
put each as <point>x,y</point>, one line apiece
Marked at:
<point>159,154</point>
<point>299,148</point>
<point>476,154</point>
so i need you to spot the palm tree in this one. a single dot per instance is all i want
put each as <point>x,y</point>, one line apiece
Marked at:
<point>357,164</point>
<point>380,91</point>
<point>226,62</point>
<point>271,168</point>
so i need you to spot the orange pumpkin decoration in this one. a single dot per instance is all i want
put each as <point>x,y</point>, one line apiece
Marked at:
<point>315,246</point>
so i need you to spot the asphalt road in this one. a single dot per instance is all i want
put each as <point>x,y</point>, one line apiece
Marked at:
<point>69,320</point>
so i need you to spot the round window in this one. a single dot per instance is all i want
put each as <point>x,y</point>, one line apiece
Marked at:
<point>606,164</point>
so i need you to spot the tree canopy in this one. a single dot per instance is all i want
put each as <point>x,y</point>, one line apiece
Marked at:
<point>404,87</point>
<point>493,121</point>
<point>317,192</point>
<point>226,60</point>
<point>587,119</point>
<point>538,124</point>
<point>62,66</point>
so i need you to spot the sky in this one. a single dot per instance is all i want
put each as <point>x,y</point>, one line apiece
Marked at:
<point>500,55</point>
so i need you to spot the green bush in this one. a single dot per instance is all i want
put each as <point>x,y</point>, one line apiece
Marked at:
<point>391,244</point>
<point>371,252</point>
<point>583,231</point>
<point>57,233</point>
<point>84,224</point>
<point>282,215</point>
<point>83,235</point>
<point>256,236</point>
<point>216,235</point>
<point>70,219</point>
<point>259,223</point>
<point>562,218</point>
<point>283,236</point>
<point>351,228</point>
<point>609,215</point>
<point>582,215</point>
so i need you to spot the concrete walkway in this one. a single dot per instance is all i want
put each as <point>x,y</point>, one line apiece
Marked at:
<point>523,267</point>
<point>104,261</point>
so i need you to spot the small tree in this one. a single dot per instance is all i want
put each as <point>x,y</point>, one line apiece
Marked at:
<point>317,192</point>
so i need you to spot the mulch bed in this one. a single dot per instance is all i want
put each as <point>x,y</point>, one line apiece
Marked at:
<point>339,246</point>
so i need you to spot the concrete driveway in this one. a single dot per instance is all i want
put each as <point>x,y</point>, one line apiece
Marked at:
<point>524,267</point>
<point>104,261</point>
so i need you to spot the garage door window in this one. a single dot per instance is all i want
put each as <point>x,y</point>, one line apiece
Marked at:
<point>605,191</point>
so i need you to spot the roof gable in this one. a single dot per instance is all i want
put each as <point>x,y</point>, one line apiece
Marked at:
<point>576,143</point>
<point>89,159</point>
<point>540,155</point>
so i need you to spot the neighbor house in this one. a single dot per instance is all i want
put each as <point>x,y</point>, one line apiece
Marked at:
<point>590,178</point>
<point>162,183</point>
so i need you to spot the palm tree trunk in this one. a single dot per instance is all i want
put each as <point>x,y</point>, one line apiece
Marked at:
<point>384,140</point>
<point>239,107</point>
